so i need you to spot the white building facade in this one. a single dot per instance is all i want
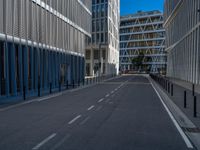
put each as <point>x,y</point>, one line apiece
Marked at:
<point>182,24</point>
<point>102,55</point>
<point>142,33</point>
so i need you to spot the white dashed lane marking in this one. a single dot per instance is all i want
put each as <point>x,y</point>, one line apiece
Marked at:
<point>44,141</point>
<point>91,107</point>
<point>101,100</point>
<point>107,95</point>
<point>73,120</point>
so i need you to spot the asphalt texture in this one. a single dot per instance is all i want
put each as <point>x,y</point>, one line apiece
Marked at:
<point>120,114</point>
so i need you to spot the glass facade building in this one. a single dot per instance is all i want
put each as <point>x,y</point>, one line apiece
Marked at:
<point>182,24</point>
<point>102,54</point>
<point>142,34</point>
<point>42,43</point>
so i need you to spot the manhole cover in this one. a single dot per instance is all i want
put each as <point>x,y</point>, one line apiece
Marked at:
<point>192,130</point>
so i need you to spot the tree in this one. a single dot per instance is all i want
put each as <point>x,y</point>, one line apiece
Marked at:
<point>138,61</point>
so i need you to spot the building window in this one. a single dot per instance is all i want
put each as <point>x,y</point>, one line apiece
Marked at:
<point>98,38</point>
<point>2,69</point>
<point>104,54</point>
<point>96,54</point>
<point>29,67</point>
<point>93,26</point>
<point>17,67</point>
<point>93,38</point>
<point>102,37</point>
<point>87,55</point>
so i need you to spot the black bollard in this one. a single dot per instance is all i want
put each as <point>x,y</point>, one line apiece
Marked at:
<point>172,89</point>
<point>67,85</point>
<point>168,87</point>
<point>24,89</point>
<point>193,89</point>
<point>50,88</point>
<point>38,90</point>
<point>185,99</point>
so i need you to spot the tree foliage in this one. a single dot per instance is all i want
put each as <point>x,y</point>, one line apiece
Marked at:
<point>138,61</point>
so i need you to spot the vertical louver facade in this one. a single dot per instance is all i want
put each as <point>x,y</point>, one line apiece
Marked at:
<point>42,43</point>
<point>182,24</point>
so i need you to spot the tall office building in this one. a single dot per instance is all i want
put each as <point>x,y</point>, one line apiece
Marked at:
<point>142,35</point>
<point>102,54</point>
<point>182,24</point>
<point>42,43</point>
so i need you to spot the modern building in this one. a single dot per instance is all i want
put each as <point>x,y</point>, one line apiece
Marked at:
<point>42,43</point>
<point>102,54</point>
<point>142,35</point>
<point>182,24</point>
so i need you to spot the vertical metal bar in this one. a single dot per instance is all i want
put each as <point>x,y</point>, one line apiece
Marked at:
<point>185,99</point>
<point>172,89</point>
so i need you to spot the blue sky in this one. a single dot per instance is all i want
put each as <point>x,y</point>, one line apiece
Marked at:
<point>132,6</point>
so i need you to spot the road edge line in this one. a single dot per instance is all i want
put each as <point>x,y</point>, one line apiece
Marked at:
<point>183,135</point>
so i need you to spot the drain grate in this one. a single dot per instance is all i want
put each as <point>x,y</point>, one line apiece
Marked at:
<point>191,130</point>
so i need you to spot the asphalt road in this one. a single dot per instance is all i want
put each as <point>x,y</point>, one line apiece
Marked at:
<point>121,114</point>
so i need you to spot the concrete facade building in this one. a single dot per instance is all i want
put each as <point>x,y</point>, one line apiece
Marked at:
<point>142,33</point>
<point>102,54</point>
<point>182,24</point>
<point>42,43</point>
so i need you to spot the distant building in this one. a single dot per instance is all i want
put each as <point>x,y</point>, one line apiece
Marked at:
<point>42,43</point>
<point>102,55</point>
<point>142,33</point>
<point>182,24</point>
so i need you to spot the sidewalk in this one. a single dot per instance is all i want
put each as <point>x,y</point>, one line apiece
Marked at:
<point>185,84</point>
<point>179,87</point>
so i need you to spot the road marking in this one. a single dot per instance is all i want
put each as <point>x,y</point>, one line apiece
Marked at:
<point>46,98</point>
<point>107,95</point>
<point>61,142</point>
<point>44,141</point>
<point>85,120</point>
<point>73,120</point>
<point>112,92</point>
<point>100,100</point>
<point>99,108</point>
<point>185,138</point>
<point>91,107</point>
